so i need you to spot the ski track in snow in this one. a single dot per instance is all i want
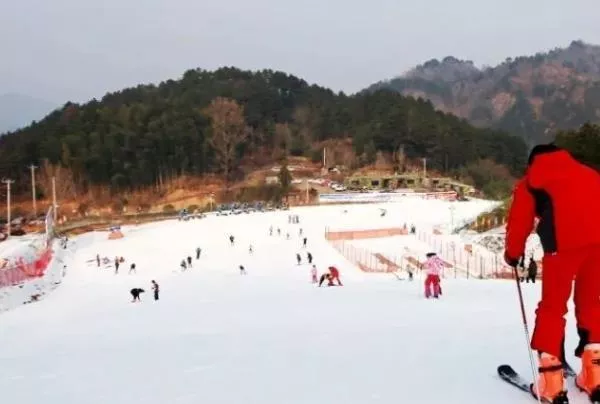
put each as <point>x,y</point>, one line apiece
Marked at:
<point>269,337</point>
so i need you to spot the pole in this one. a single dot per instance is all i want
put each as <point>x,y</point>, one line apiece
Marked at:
<point>307,191</point>
<point>54,197</point>
<point>527,338</point>
<point>8,218</point>
<point>425,168</point>
<point>33,196</point>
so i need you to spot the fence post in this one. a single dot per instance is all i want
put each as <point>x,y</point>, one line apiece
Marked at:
<point>480,267</point>
<point>468,269</point>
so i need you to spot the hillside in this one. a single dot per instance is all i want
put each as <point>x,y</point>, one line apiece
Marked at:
<point>228,122</point>
<point>17,111</point>
<point>533,97</point>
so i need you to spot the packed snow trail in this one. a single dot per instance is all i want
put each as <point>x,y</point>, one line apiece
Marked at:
<point>269,337</point>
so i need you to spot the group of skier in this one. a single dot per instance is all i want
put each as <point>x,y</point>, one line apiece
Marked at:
<point>136,292</point>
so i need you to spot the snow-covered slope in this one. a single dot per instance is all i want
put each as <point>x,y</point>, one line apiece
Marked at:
<point>268,337</point>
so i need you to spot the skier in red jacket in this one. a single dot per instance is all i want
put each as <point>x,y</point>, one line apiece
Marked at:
<point>563,195</point>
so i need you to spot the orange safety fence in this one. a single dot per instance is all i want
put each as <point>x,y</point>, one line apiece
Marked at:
<point>364,234</point>
<point>22,270</point>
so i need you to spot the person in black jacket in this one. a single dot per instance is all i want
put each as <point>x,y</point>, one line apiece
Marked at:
<point>532,270</point>
<point>156,289</point>
<point>135,292</point>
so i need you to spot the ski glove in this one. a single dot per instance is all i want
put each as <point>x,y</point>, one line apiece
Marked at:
<point>512,262</point>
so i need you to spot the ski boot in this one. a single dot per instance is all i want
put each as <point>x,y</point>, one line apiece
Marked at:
<point>588,380</point>
<point>551,382</point>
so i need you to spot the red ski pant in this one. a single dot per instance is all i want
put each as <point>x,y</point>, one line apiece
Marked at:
<point>432,281</point>
<point>558,272</point>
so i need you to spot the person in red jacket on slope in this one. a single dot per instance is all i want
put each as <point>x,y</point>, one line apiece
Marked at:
<point>563,195</point>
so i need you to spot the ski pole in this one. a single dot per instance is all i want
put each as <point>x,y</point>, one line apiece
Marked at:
<point>527,338</point>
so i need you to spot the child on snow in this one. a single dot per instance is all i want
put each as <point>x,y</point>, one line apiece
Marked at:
<point>433,268</point>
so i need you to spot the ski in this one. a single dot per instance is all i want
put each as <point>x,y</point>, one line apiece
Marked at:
<point>509,375</point>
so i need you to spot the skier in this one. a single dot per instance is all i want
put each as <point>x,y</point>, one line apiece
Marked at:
<point>313,274</point>
<point>433,266</point>
<point>250,250</point>
<point>300,232</point>
<point>327,276</point>
<point>156,289</point>
<point>98,260</point>
<point>198,252</point>
<point>304,242</point>
<point>117,265</point>
<point>335,275</point>
<point>298,258</point>
<point>270,230</point>
<point>135,292</point>
<point>231,240</point>
<point>531,270</point>
<point>562,193</point>
<point>183,265</point>
<point>189,261</point>
<point>132,268</point>
<point>242,270</point>
<point>309,257</point>
<point>410,272</point>
<point>278,231</point>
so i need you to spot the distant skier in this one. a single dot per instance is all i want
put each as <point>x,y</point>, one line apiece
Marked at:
<point>189,261</point>
<point>250,249</point>
<point>304,240</point>
<point>156,289</point>
<point>242,270</point>
<point>299,259</point>
<point>313,274</point>
<point>335,275</point>
<point>135,292</point>
<point>532,270</point>
<point>270,230</point>
<point>409,269</point>
<point>433,268</point>
<point>326,276</point>
<point>183,265</point>
<point>287,236</point>
<point>278,231</point>
<point>198,252</point>
<point>309,257</point>
<point>231,240</point>
<point>117,263</point>
<point>413,229</point>
<point>98,260</point>
<point>132,268</point>
<point>300,232</point>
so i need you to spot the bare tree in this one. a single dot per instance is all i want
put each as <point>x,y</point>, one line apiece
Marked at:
<point>65,185</point>
<point>229,130</point>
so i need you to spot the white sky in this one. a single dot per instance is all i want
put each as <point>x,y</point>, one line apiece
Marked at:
<point>63,50</point>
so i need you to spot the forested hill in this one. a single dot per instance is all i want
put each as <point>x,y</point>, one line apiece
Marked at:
<point>532,96</point>
<point>138,136</point>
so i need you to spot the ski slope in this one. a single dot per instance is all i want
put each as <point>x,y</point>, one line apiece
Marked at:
<point>268,337</point>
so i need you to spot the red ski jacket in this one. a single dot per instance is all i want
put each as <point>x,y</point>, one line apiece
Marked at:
<point>564,195</point>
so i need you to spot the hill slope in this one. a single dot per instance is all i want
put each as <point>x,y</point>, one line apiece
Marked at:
<point>17,111</point>
<point>140,136</point>
<point>530,96</point>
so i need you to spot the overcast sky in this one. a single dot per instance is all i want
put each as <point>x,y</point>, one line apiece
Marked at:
<point>75,50</point>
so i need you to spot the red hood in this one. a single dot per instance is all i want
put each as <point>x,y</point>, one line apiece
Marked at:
<point>548,167</point>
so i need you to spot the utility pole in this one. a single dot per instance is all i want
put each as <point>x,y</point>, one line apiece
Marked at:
<point>33,196</point>
<point>425,167</point>
<point>8,218</point>
<point>54,197</point>
<point>307,193</point>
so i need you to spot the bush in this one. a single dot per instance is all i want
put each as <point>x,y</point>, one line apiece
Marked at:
<point>168,208</point>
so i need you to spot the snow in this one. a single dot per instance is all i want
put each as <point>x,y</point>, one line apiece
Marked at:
<point>269,337</point>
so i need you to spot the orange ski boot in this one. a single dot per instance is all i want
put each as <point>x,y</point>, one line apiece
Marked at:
<point>589,378</point>
<point>551,382</point>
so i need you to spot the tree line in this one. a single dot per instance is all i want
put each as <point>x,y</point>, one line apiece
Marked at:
<point>228,120</point>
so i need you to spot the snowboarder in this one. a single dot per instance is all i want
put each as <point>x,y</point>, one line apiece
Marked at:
<point>183,265</point>
<point>298,258</point>
<point>531,270</point>
<point>189,261</point>
<point>231,240</point>
<point>156,289</point>
<point>433,266</point>
<point>242,270</point>
<point>198,252</point>
<point>313,274</point>
<point>335,275</point>
<point>309,257</point>
<point>562,194</point>
<point>304,240</point>
<point>132,268</point>
<point>135,292</point>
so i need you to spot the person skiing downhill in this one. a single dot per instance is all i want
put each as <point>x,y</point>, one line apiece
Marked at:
<point>433,267</point>
<point>562,194</point>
